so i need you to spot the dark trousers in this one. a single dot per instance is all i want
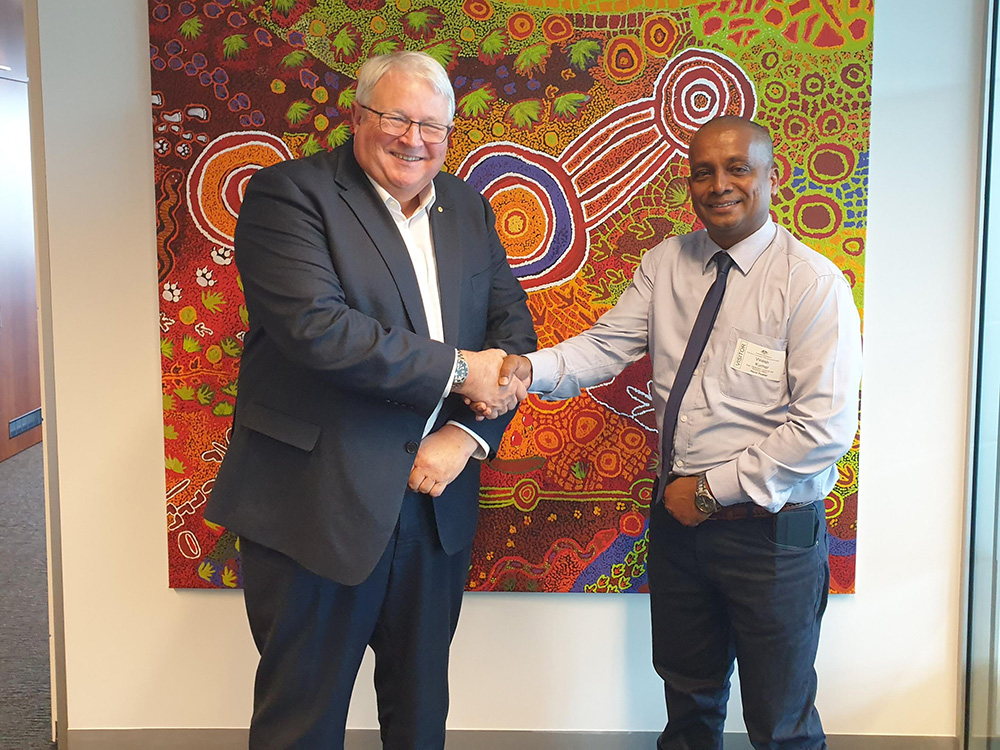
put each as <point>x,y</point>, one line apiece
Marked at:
<point>312,633</point>
<point>726,590</point>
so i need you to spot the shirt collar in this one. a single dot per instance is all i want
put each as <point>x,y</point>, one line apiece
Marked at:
<point>427,197</point>
<point>745,252</point>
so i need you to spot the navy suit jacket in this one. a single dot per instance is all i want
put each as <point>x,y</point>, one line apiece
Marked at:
<point>338,376</point>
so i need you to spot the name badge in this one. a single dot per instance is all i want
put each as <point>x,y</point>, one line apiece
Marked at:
<point>754,359</point>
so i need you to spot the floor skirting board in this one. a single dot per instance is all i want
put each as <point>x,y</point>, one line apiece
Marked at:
<point>460,739</point>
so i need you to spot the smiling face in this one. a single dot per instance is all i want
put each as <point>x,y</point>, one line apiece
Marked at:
<point>404,165</point>
<point>733,179</point>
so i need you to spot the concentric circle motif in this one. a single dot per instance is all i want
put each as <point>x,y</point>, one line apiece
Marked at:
<point>526,495</point>
<point>776,92</point>
<point>632,439</point>
<point>830,123</point>
<point>853,246</point>
<point>218,179</point>
<point>549,440</point>
<point>642,492</point>
<point>831,163</point>
<point>659,34</point>
<point>812,84</point>
<point>697,86</point>
<point>796,127</point>
<point>854,75</point>
<point>625,58</point>
<point>541,227</point>
<point>632,523</point>
<point>816,216</point>
<point>520,25</point>
<point>586,426</point>
<point>608,463</point>
<point>524,216</point>
<point>478,10</point>
<point>556,28</point>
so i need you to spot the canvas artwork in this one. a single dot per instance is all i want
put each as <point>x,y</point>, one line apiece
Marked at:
<point>573,118</point>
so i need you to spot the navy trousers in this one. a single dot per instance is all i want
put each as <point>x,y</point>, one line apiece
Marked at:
<point>725,591</point>
<point>312,633</point>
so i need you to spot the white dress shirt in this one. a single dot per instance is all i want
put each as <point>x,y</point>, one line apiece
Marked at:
<point>416,233</point>
<point>773,402</point>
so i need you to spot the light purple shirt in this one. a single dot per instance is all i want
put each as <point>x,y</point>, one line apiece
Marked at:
<point>773,402</point>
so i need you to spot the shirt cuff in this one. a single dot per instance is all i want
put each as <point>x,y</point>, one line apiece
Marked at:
<point>483,451</point>
<point>544,371</point>
<point>724,482</point>
<point>451,378</point>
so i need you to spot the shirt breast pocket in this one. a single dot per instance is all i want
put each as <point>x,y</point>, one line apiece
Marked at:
<point>754,368</point>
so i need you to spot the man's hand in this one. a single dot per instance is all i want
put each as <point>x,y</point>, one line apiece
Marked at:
<point>678,497</point>
<point>441,457</point>
<point>482,386</point>
<point>516,371</point>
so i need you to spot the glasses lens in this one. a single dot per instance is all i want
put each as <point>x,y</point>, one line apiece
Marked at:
<point>433,133</point>
<point>392,125</point>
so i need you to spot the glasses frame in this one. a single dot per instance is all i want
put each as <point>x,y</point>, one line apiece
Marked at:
<point>409,124</point>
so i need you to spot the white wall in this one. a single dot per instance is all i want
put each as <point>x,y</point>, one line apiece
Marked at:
<point>140,655</point>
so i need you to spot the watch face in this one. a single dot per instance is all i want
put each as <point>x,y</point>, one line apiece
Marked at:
<point>704,503</point>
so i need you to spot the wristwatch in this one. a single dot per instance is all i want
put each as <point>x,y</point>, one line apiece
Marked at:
<point>704,500</point>
<point>461,371</point>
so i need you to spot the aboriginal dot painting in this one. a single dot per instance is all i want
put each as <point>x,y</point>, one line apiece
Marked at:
<point>573,117</point>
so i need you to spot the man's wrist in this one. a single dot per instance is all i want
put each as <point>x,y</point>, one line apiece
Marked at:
<point>461,371</point>
<point>704,500</point>
<point>462,436</point>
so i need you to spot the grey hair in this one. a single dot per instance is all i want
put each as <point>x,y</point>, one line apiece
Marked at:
<point>418,64</point>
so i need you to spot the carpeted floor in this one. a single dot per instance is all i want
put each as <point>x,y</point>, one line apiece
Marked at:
<point>25,708</point>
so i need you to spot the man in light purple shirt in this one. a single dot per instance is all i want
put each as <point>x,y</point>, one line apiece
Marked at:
<point>737,555</point>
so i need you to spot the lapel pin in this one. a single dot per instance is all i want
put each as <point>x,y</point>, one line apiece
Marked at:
<point>440,209</point>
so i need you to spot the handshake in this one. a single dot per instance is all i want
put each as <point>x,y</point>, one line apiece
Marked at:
<point>497,382</point>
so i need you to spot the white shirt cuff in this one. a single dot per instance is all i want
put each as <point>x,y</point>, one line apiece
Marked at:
<point>451,378</point>
<point>544,371</point>
<point>725,483</point>
<point>481,452</point>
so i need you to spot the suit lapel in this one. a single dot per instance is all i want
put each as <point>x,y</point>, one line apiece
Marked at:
<point>374,218</point>
<point>446,235</point>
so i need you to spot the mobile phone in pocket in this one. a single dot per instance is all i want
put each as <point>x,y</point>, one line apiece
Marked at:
<point>796,528</point>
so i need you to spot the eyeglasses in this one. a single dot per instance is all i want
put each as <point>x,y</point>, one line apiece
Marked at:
<point>397,125</point>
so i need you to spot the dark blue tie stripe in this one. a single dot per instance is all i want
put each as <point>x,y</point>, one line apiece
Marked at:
<point>692,353</point>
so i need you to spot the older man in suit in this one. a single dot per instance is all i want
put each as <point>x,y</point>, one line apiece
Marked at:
<point>379,295</point>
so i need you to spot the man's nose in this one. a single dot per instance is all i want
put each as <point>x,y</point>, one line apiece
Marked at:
<point>412,135</point>
<point>720,183</point>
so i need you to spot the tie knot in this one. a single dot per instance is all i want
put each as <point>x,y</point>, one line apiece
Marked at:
<point>723,261</point>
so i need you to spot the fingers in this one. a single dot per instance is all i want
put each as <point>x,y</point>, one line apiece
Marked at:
<point>426,486</point>
<point>515,366</point>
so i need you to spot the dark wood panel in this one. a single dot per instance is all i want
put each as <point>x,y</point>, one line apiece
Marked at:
<point>20,383</point>
<point>12,40</point>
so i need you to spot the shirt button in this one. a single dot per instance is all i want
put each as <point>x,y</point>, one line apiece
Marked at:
<point>696,372</point>
<point>684,418</point>
<point>679,464</point>
<point>412,446</point>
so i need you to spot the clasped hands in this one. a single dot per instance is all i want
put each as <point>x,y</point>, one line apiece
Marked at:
<point>497,382</point>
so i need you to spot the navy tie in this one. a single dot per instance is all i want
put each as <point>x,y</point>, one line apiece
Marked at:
<point>692,353</point>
